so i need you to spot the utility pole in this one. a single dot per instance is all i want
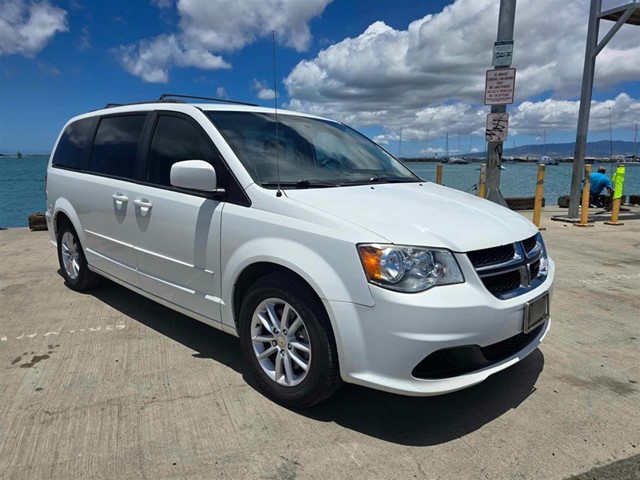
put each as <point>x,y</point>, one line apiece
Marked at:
<point>494,149</point>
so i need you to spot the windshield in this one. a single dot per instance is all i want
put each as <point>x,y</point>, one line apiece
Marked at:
<point>308,152</point>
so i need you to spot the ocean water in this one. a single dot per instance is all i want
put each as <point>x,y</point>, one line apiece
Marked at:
<point>22,183</point>
<point>21,189</point>
<point>519,179</point>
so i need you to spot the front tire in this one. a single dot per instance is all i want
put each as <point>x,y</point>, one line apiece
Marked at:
<point>73,263</point>
<point>287,339</point>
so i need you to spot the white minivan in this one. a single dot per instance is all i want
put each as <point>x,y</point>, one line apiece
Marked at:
<point>326,256</point>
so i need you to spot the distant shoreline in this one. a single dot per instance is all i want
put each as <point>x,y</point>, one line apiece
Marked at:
<point>2,155</point>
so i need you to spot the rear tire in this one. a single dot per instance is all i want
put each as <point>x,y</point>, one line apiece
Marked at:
<point>73,263</point>
<point>287,339</point>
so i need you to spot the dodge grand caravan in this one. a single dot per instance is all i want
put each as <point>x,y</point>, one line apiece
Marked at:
<point>328,258</point>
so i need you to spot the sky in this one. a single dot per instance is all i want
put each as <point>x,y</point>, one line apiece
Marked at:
<point>407,74</point>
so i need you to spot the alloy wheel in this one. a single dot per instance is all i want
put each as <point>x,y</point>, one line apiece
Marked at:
<point>70,255</point>
<point>281,342</point>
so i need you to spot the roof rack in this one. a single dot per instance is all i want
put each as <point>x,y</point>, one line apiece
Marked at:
<point>175,98</point>
<point>163,98</point>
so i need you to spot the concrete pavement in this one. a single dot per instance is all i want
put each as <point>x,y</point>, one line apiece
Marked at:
<point>111,385</point>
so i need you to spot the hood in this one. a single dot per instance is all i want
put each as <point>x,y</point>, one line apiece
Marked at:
<point>424,214</point>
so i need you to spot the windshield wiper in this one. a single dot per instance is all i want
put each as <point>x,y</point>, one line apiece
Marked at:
<point>380,179</point>
<point>303,184</point>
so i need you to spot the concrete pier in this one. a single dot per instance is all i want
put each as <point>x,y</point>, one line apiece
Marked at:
<point>111,385</point>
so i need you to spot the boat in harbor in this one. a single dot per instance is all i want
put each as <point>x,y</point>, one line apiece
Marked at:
<point>547,160</point>
<point>458,161</point>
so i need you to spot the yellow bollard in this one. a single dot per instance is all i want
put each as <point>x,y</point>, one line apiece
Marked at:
<point>584,209</point>
<point>537,205</point>
<point>439,174</point>
<point>482,184</point>
<point>618,181</point>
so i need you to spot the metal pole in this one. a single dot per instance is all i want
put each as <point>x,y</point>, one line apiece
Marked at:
<point>482,184</point>
<point>618,183</point>
<point>537,205</point>
<point>585,107</point>
<point>584,213</point>
<point>506,20</point>
<point>610,145</point>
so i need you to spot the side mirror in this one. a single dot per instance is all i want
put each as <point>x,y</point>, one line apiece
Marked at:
<point>194,175</point>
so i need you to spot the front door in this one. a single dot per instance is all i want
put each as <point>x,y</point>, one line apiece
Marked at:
<point>177,233</point>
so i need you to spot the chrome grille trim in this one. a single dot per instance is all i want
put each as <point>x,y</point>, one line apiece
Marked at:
<point>498,277</point>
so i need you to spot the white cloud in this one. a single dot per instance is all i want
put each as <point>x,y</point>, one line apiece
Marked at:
<point>221,92</point>
<point>48,69</point>
<point>84,41</point>
<point>264,92</point>
<point>431,151</point>
<point>220,26</point>
<point>531,118</point>
<point>527,118</point>
<point>243,22</point>
<point>162,3</point>
<point>151,59</point>
<point>25,29</point>
<point>429,78</point>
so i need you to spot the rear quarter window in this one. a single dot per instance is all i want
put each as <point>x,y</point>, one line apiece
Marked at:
<point>70,150</point>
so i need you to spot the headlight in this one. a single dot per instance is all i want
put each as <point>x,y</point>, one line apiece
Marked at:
<point>544,259</point>
<point>409,269</point>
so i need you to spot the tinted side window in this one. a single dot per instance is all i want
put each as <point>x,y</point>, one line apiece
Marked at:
<point>176,139</point>
<point>70,149</point>
<point>115,145</point>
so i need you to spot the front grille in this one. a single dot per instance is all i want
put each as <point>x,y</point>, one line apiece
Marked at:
<point>504,283</point>
<point>490,256</point>
<point>510,270</point>
<point>529,244</point>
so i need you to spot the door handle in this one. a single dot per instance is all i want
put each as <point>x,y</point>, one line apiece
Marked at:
<point>144,204</point>
<point>120,199</point>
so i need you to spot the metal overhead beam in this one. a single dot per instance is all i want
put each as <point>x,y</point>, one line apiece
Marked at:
<point>624,14</point>
<point>621,21</point>
<point>615,13</point>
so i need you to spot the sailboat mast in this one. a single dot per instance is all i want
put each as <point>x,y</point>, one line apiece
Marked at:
<point>447,146</point>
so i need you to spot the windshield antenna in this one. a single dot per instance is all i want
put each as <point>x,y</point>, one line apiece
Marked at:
<point>275,103</point>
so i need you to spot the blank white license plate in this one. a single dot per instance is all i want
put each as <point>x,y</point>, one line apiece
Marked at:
<point>536,312</point>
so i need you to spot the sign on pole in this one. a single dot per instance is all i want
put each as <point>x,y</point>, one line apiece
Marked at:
<point>502,53</point>
<point>500,86</point>
<point>497,127</point>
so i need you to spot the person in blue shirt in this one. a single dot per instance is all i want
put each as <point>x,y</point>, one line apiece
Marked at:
<point>599,181</point>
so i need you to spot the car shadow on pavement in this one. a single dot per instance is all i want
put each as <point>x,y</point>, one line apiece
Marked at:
<point>416,421</point>
<point>208,342</point>
<point>423,421</point>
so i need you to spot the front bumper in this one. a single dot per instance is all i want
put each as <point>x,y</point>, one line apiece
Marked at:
<point>380,346</point>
